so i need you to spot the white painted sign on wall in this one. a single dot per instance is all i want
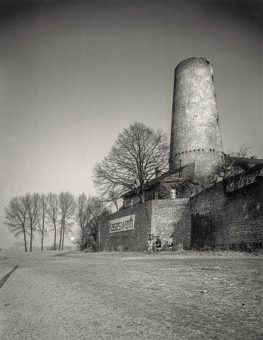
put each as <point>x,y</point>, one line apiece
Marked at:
<point>122,224</point>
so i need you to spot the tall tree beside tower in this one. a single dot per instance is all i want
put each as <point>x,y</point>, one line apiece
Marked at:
<point>133,160</point>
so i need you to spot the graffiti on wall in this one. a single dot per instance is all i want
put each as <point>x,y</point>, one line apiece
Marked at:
<point>122,224</point>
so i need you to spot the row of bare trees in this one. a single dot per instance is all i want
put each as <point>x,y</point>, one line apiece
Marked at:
<point>132,162</point>
<point>23,216</point>
<point>56,213</point>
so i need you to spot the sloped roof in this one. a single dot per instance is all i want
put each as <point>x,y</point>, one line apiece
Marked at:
<point>246,163</point>
<point>184,173</point>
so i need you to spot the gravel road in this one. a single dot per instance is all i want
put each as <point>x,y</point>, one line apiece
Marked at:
<point>131,296</point>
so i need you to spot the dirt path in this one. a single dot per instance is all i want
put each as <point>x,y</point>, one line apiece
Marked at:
<point>109,296</point>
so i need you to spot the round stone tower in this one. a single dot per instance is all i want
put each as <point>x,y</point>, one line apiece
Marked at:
<point>195,135</point>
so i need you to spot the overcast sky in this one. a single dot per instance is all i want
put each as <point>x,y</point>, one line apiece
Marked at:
<point>74,74</point>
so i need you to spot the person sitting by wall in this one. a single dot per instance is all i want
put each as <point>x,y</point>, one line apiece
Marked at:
<point>171,242</point>
<point>158,244</point>
<point>151,243</point>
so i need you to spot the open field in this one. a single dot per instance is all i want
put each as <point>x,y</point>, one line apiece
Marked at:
<point>130,296</point>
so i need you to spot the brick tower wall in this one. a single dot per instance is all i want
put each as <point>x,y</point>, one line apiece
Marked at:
<point>195,134</point>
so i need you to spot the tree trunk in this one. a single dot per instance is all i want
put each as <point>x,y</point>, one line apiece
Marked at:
<point>42,240</point>
<point>25,243</point>
<point>55,237</point>
<point>63,235</point>
<point>43,228</point>
<point>83,236</point>
<point>60,236</point>
<point>116,205</point>
<point>31,238</point>
<point>142,198</point>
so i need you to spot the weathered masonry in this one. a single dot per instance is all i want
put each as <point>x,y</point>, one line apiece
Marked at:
<point>230,214</point>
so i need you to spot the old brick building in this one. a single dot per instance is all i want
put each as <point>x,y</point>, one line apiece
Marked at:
<point>183,202</point>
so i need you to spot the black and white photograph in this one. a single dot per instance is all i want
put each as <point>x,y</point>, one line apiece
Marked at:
<point>131,169</point>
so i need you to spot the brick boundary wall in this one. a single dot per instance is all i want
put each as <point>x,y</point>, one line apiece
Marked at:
<point>228,219</point>
<point>172,217</point>
<point>132,240</point>
<point>216,217</point>
<point>156,217</point>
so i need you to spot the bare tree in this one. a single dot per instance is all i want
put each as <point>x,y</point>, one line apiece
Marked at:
<point>243,152</point>
<point>233,164</point>
<point>16,216</point>
<point>53,214</point>
<point>133,160</point>
<point>33,209</point>
<point>66,203</point>
<point>81,217</point>
<point>95,210</point>
<point>111,195</point>
<point>42,225</point>
<point>88,212</point>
